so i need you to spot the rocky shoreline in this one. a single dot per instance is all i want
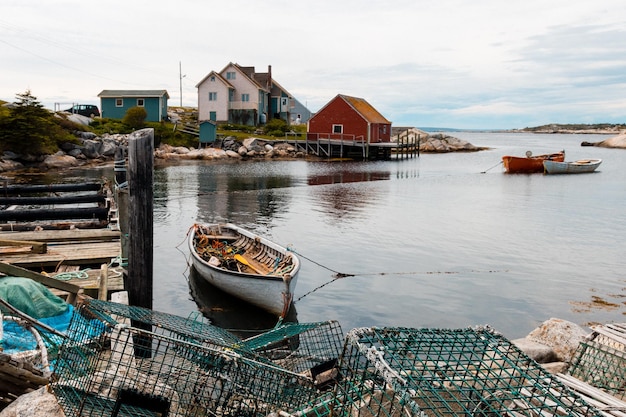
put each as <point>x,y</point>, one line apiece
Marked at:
<point>95,150</point>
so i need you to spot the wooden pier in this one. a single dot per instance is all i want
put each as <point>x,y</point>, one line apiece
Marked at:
<point>60,229</point>
<point>349,146</point>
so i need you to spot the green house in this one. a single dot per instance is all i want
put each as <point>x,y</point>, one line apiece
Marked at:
<point>115,103</point>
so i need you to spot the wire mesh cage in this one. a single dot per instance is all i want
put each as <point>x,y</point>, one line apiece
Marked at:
<point>312,348</point>
<point>601,366</point>
<point>436,372</point>
<point>141,362</point>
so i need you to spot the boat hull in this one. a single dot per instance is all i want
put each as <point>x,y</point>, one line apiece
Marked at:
<point>529,164</point>
<point>577,167</point>
<point>271,291</point>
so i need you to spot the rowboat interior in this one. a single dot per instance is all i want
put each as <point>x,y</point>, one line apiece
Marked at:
<point>224,248</point>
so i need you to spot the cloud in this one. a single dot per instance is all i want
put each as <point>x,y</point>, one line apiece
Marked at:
<point>486,63</point>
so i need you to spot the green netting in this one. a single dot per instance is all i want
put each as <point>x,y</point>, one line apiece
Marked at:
<point>440,372</point>
<point>602,366</point>
<point>196,329</point>
<point>152,363</point>
<point>301,347</point>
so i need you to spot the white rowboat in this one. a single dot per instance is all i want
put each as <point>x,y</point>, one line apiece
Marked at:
<point>575,167</point>
<point>245,265</point>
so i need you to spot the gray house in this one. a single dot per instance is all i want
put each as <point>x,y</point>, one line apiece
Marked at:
<point>115,103</point>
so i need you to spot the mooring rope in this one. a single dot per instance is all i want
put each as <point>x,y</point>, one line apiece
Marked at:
<point>338,275</point>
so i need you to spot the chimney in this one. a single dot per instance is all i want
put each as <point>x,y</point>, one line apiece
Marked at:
<point>269,77</point>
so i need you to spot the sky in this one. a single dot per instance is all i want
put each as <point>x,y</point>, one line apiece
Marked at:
<point>480,64</point>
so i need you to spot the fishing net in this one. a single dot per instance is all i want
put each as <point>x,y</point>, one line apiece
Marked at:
<point>153,363</point>
<point>436,372</point>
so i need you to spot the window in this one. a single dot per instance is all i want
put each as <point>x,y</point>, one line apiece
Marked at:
<point>245,97</point>
<point>338,129</point>
<point>212,78</point>
<point>230,75</point>
<point>119,102</point>
<point>140,102</point>
<point>212,96</point>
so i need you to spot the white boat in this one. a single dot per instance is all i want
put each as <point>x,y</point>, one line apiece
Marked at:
<point>245,265</point>
<point>575,167</point>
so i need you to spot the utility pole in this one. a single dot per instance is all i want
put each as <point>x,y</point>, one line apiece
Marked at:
<point>181,76</point>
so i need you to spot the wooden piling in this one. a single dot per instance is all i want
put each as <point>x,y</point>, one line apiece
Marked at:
<point>140,217</point>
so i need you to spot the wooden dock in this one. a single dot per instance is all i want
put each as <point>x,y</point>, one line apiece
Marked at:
<point>60,229</point>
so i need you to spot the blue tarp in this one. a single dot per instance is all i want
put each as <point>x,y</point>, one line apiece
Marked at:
<point>37,301</point>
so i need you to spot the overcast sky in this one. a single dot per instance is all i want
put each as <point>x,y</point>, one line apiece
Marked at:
<point>427,63</point>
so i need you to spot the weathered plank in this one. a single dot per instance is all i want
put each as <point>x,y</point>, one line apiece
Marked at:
<point>34,247</point>
<point>74,254</point>
<point>63,235</point>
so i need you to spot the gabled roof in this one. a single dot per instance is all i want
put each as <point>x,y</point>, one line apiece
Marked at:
<point>244,71</point>
<point>361,106</point>
<point>217,76</point>
<point>365,109</point>
<point>133,93</point>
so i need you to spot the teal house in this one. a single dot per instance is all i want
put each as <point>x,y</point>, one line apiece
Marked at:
<point>115,103</point>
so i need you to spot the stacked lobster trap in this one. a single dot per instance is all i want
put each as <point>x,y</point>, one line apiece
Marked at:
<point>600,361</point>
<point>394,372</point>
<point>148,363</point>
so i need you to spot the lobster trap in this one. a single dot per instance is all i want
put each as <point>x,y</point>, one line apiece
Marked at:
<point>394,372</point>
<point>309,348</point>
<point>601,360</point>
<point>147,363</point>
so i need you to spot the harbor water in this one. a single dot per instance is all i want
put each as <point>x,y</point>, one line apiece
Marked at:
<point>441,240</point>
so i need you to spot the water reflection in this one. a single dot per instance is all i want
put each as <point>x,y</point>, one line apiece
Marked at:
<point>231,313</point>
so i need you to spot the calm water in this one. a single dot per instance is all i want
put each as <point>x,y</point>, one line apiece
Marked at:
<point>433,241</point>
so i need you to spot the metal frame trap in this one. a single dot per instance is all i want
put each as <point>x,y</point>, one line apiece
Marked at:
<point>148,363</point>
<point>393,372</point>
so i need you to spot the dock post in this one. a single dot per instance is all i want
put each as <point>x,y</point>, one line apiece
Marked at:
<point>140,227</point>
<point>140,217</point>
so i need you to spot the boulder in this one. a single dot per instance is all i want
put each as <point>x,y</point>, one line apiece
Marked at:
<point>561,335</point>
<point>91,148</point>
<point>618,141</point>
<point>40,402</point>
<point>233,154</point>
<point>539,352</point>
<point>59,161</point>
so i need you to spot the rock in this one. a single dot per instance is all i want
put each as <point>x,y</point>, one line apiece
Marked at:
<point>10,165</point>
<point>233,154</point>
<point>182,150</point>
<point>242,151</point>
<point>108,147</point>
<point>561,335</point>
<point>540,352</point>
<point>59,161</point>
<point>555,367</point>
<point>37,403</point>
<point>618,141</point>
<point>91,148</point>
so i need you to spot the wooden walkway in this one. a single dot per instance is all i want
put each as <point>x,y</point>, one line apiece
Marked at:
<point>52,251</point>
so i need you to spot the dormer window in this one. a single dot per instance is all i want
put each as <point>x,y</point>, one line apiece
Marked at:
<point>230,75</point>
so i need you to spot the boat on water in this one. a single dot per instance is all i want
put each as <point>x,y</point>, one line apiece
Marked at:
<point>529,163</point>
<point>245,265</point>
<point>575,167</point>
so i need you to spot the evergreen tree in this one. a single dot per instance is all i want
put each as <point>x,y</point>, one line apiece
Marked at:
<point>29,128</point>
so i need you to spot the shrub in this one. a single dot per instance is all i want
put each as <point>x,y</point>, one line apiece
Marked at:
<point>135,117</point>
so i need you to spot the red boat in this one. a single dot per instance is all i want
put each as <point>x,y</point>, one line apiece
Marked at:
<point>529,163</point>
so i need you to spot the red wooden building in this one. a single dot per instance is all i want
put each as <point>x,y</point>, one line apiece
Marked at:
<point>349,119</point>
